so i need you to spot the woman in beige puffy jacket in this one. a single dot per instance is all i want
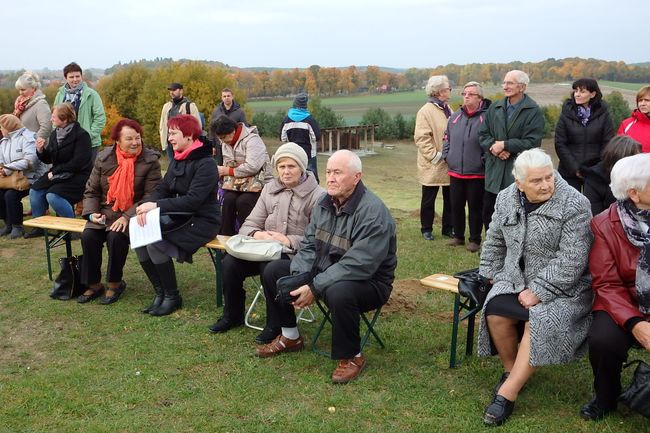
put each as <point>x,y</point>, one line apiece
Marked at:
<point>430,127</point>
<point>281,213</point>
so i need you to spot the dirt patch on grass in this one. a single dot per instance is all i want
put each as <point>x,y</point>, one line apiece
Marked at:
<point>22,342</point>
<point>8,253</point>
<point>402,298</point>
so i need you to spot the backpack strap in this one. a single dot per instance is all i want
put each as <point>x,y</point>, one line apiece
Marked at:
<point>187,108</point>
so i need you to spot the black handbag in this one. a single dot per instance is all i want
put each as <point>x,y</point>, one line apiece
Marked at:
<point>172,221</point>
<point>286,285</point>
<point>67,284</point>
<point>473,286</point>
<point>637,395</point>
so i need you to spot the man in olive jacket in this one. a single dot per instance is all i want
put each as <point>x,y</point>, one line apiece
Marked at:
<point>512,125</point>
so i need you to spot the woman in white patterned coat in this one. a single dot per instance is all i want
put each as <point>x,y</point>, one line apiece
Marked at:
<point>536,254</point>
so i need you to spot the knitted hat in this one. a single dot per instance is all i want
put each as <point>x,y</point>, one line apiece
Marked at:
<point>10,122</point>
<point>293,151</point>
<point>300,100</point>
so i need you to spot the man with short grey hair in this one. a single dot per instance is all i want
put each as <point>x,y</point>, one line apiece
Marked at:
<point>349,254</point>
<point>512,125</point>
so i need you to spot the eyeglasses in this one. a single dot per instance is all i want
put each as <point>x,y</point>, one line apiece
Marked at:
<point>469,94</point>
<point>510,83</point>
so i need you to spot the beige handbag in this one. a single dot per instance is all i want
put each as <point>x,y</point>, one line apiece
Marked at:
<point>16,180</point>
<point>255,250</point>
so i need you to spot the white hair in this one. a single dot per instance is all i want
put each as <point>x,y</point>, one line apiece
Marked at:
<point>522,77</point>
<point>436,83</point>
<point>631,172</point>
<point>354,162</point>
<point>29,80</point>
<point>479,88</point>
<point>531,158</point>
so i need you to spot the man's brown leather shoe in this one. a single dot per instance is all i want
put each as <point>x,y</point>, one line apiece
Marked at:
<point>455,242</point>
<point>348,369</point>
<point>279,345</point>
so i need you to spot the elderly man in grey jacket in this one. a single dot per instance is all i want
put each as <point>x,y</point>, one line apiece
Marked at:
<point>536,253</point>
<point>350,249</point>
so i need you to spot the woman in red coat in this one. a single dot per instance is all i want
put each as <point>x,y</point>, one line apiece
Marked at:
<point>619,262</point>
<point>637,125</point>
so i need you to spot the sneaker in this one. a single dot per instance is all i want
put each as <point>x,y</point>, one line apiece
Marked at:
<point>428,236</point>
<point>17,232</point>
<point>348,369</point>
<point>449,232</point>
<point>225,324</point>
<point>267,335</point>
<point>34,233</point>
<point>279,345</point>
<point>5,230</point>
<point>592,411</point>
<point>498,411</point>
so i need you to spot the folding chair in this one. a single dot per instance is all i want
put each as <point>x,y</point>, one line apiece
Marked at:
<point>364,340</point>
<point>260,294</point>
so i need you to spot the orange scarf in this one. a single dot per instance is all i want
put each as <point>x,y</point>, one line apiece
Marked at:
<point>120,183</point>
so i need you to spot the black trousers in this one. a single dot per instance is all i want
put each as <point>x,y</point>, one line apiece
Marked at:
<point>468,191</point>
<point>489,200</point>
<point>235,209</point>
<point>11,206</point>
<point>428,209</point>
<point>92,242</point>
<point>235,272</point>
<point>608,347</point>
<point>345,301</point>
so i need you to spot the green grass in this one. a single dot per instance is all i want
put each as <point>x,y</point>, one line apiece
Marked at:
<point>66,367</point>
<point>352,108</point>
<point>625,86</point>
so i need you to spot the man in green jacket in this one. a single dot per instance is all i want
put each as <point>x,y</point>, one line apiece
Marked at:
<point>512,125</point>
<point>86,102</point>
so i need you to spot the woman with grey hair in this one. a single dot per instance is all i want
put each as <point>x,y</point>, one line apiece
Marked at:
<point>430,126</point>
<point>31,107</point>
<point>537,312</point>
<point>620,267</point>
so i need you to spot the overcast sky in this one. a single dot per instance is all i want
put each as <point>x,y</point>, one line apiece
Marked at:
<point>300,33</point>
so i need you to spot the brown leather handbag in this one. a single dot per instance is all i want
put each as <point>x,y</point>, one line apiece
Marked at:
<point>16,180</point>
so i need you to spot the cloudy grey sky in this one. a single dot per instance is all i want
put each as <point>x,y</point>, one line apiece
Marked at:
<point>299,33</point>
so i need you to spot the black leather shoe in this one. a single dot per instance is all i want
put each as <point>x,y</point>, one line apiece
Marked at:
<point>504,376</point>
<point>592,411</point>
<point>168,305</point>
<point>428,236</point>
<point>105,300</point>
<point>82,299</point>
<point>223,325</point>
<point>34,233</point>
<point>267,335</point>
<point>498,411</point>
<point>155,303</point>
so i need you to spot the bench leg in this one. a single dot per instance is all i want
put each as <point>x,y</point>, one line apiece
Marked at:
<point>469,347</point>
<point>216,256</point>
<point>454,332</point>
<point>47,253</point>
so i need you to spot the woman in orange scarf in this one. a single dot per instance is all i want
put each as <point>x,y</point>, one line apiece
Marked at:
<point>123,175</point>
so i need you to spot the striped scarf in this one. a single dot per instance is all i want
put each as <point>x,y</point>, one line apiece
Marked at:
<point>631,218</point>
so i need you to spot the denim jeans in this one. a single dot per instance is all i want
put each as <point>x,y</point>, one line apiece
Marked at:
<point>40,200</point>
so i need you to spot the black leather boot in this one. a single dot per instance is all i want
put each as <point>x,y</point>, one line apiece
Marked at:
<point>152,273</point>
<point>172,299</point>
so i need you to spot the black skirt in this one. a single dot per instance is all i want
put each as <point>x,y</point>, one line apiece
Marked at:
<point>507,306</point>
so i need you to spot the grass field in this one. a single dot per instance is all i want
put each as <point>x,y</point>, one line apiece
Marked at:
<point>352,108</point>
<point>66,367</point>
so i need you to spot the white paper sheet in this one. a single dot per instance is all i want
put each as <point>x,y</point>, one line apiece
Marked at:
<point>150,233</point>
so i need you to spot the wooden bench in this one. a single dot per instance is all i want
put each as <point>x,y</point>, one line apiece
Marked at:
<point>66,226</point>
<point>450,284</point>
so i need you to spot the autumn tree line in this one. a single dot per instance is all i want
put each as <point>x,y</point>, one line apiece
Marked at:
<point>138,90</point>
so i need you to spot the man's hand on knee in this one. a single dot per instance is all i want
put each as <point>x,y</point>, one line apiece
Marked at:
<point>305,297</point>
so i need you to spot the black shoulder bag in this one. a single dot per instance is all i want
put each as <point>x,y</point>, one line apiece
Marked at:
<point>67,284</point>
